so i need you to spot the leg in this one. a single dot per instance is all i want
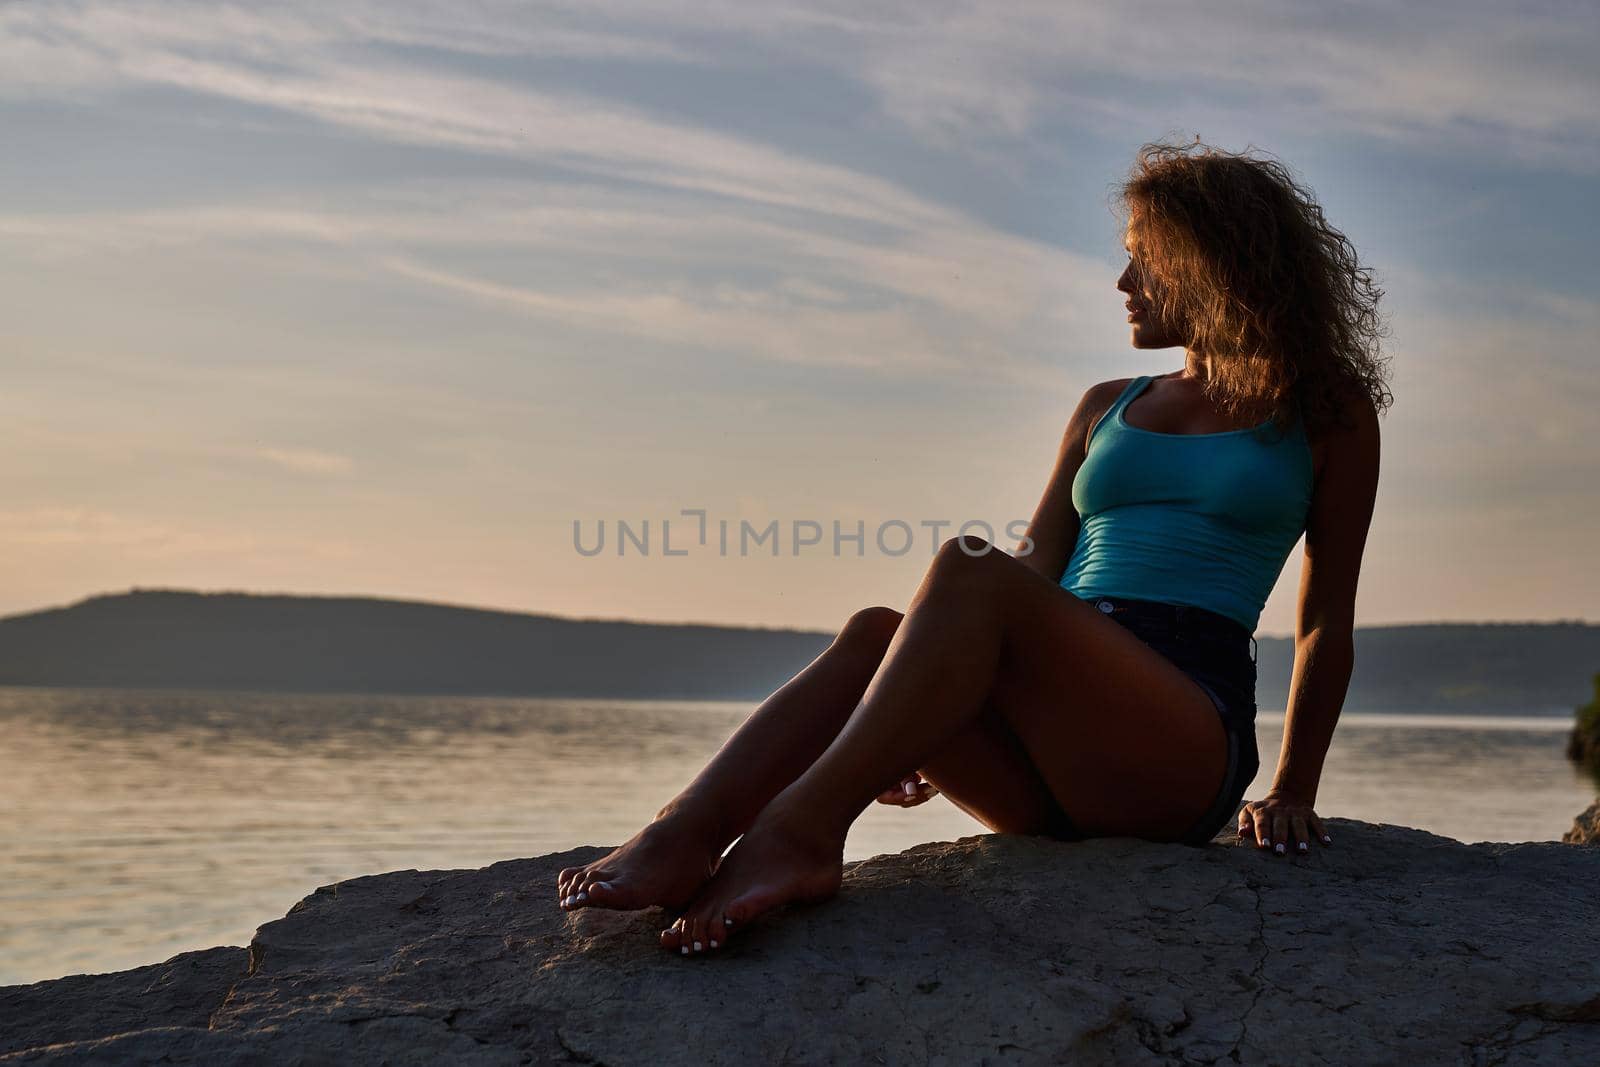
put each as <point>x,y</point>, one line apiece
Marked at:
<point>1127,743</point>
<point>671,858</point>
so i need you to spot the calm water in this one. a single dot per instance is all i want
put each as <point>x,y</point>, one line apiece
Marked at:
<point>141,824</point>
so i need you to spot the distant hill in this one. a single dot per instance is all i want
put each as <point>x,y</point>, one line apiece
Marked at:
<point>184,640</point>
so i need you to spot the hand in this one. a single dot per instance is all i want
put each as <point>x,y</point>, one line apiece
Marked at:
<point>910,791</point>
<point>1278,823</point>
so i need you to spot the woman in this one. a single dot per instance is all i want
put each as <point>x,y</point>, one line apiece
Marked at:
<point>1101,683</point>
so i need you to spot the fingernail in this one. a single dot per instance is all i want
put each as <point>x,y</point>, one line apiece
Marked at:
<point>1303,847</point>
<point>713,944</point>
<point>1326,840</point>
<point>911,789</point>
<point>1278,848</point>
<point>727,922</point>
<point>683,949</point>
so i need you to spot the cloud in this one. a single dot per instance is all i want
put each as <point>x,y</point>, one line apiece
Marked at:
<point>1460,75</point>
<point>57,527</point>
<point>307,461</point>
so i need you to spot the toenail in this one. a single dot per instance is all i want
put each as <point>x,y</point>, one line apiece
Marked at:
<point>566,901</point>
<point>581,896</point>
<point>602,885</point>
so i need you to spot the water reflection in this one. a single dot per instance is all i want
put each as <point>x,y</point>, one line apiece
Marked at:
<point>146,823</point>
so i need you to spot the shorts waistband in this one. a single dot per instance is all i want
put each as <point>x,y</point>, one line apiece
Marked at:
<point>1178,613</point>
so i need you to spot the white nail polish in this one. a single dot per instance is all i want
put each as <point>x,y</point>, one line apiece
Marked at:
<point>683,949</point>
<point>1278,848</point>
<point>581,897</point>
<point>713,944</point>
<point>602,885</point>
<point>727,922</point>
<point>697,946</point>
<point>911,789</point>
<point>1303,847</point>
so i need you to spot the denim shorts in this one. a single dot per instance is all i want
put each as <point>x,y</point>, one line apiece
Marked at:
<point>1219,654</point>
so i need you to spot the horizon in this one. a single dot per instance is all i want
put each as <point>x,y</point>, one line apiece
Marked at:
<point>710,624</point>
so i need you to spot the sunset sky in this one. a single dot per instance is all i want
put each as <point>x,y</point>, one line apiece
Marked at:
<point>380,298</point>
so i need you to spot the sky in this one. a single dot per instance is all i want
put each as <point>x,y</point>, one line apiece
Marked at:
<point>408,298</point>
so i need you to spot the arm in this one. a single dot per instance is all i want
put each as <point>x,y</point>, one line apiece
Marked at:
<point>1336,535</point>
<point>1053,531</point>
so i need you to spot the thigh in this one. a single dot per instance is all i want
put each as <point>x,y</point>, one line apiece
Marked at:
<point>1126,742</point>
<point>986,772</point>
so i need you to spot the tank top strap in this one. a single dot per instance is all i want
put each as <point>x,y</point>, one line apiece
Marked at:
<point>1124,398</point>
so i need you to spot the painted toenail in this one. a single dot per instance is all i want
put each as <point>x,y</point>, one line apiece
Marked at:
<point>602,885</point>
<point>582,896</point>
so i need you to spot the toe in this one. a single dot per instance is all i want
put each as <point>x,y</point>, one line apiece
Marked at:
<point>672,936</point>
<point>696,934</point>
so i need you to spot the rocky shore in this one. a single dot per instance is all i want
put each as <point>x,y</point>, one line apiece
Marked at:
<point>1392,947</point>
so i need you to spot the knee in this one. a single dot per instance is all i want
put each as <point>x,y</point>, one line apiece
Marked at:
<point>870,628</point>
<point>966,556</point>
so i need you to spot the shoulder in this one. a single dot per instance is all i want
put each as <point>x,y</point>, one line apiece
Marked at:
<point>1097,398</point>
<point>1095,402</point>
<point>1351,444</point>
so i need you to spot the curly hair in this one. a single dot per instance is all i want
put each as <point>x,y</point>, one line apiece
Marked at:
<point>1242,254</point>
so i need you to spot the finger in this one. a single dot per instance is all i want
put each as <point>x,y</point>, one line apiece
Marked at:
<point>1263,831</point>
<point>1320,830</point>
<point>1280,833</point>
<point>1297,825</point>
<point>1247,824</point>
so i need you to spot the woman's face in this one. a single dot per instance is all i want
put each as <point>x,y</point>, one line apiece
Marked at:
<point>1149,331</point>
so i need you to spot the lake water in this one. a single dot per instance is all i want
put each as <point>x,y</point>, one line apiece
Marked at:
<point>139,824</point>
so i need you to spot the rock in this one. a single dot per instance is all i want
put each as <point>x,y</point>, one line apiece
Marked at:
<point>1393,946</point>
<point>1585,828</point>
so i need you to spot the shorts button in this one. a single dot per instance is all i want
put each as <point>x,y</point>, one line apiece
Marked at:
<point>1105,606</point>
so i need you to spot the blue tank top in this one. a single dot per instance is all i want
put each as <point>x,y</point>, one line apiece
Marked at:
<point>1200,519</point>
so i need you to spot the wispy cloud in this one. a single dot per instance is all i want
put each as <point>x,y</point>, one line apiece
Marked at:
<point>307,461</point>
<point>1461,73</point>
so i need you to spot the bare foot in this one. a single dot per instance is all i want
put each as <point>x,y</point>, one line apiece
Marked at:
<point>775,863</point>
<point>665,863</point>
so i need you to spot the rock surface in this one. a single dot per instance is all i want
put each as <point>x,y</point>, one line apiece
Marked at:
<point>1585,828</point>
<point>1392,947</point>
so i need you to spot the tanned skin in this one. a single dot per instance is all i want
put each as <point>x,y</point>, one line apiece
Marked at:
<point>1008,694</point>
